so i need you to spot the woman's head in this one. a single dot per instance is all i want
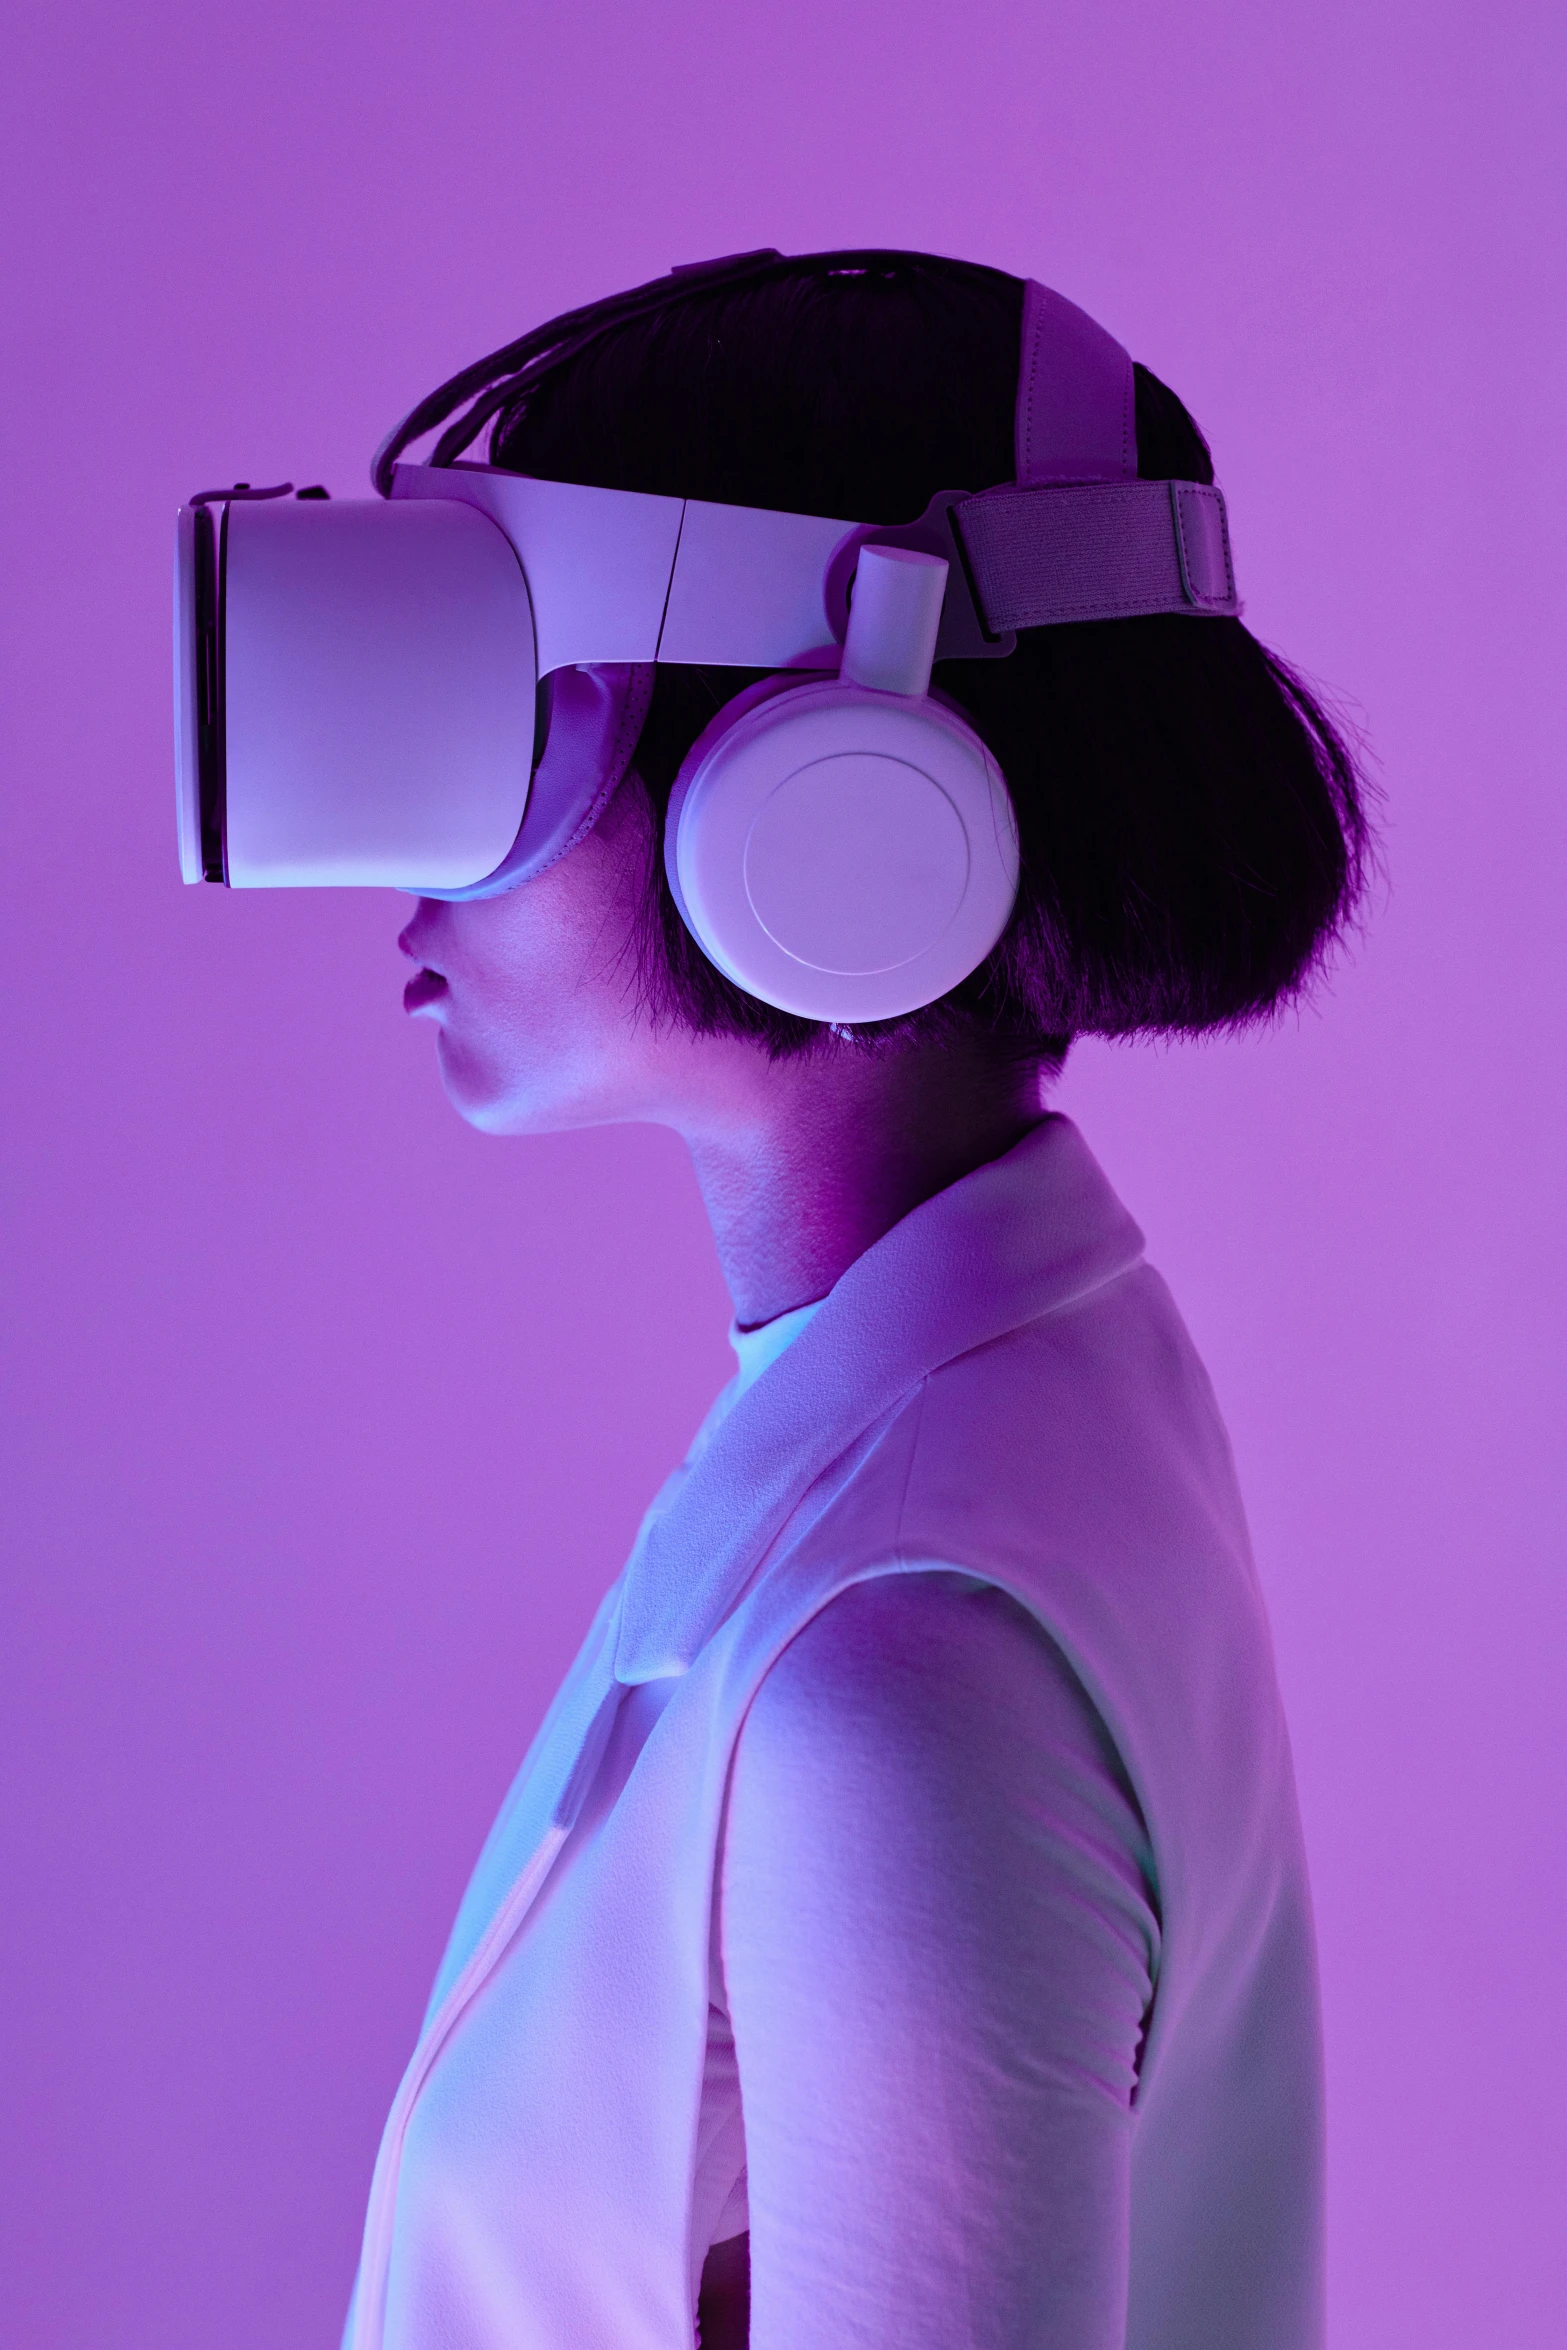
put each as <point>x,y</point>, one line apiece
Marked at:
<point>1191,829</point>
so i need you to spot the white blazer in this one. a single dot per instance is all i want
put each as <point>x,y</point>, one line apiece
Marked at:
<point>1000,1385</point>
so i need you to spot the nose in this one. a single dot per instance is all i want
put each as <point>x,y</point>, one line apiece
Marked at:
<point>411,938</point>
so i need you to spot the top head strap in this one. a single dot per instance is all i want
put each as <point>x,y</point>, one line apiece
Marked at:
<point>1075,419</point>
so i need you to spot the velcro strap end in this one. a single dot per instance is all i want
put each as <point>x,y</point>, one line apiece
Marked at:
<point>1202,537</point>
<point>1058,552</point>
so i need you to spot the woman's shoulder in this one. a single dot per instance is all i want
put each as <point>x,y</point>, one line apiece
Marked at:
<point>1087,1436</point>
<point>904,1673</point>
<point>896,1654</point>
<point>923,1729</point>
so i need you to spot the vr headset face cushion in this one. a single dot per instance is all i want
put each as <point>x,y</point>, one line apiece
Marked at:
<point>595,717</point>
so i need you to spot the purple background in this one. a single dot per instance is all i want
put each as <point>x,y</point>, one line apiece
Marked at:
<point>332,1419</point>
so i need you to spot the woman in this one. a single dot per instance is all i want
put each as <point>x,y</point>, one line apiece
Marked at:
<point>898,1934</point>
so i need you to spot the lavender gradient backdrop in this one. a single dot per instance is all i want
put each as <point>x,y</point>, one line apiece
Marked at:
<point>330,1420</point>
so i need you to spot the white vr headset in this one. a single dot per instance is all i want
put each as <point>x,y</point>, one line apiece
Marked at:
<point>357,683</point>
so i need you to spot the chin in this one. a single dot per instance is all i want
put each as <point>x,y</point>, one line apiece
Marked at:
<point>507,1101</point>
<point>479,1094</point>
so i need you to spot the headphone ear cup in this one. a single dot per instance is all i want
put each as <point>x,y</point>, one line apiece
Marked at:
<point>842,854</point>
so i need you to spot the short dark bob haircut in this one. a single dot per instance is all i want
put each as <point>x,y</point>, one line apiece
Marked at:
<point>1194,832</point>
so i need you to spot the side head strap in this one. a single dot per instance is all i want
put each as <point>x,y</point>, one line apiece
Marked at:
<point>1096,551</point>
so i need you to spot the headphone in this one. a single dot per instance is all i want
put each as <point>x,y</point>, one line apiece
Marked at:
<point>356,689</point>
<point>845,848</point>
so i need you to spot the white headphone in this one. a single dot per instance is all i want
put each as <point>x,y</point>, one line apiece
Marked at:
<point>845,848</point>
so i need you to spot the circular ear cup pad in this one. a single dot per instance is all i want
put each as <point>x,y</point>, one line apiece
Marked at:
<point>842,854</point>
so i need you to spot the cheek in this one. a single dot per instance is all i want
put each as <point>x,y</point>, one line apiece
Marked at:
<point>519,999</point>
<point>541,1003</point>
<point>511,1045</point>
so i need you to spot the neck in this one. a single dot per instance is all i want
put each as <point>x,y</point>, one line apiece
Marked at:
<point>837,1147</point>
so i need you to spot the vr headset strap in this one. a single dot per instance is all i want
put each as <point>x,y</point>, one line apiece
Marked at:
<point>617,576</point>
<point>623,576</point>
<point>1097,550</point>
<point>1075,418</point>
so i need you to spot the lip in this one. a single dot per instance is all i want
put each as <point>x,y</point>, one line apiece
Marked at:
<point>425,988</point>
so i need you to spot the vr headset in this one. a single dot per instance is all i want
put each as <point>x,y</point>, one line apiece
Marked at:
<point>437,690</point>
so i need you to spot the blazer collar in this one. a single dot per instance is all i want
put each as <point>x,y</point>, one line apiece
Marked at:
<point>1020,1238</point>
